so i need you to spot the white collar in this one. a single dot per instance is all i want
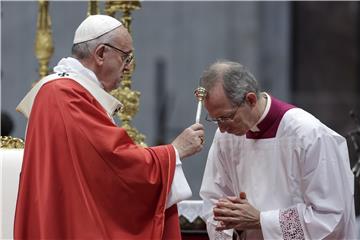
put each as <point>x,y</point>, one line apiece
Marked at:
<point>266,111</point>
<point>71,68</point>
<point>72,65</point>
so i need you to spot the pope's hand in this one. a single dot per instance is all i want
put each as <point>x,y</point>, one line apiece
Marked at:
<point>190,141</point>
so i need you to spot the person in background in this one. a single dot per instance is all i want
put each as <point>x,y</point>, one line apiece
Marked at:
<point>82,176</point>
<point>273,171</point>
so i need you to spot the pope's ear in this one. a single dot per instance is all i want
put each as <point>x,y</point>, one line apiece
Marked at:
<point>99,54</point>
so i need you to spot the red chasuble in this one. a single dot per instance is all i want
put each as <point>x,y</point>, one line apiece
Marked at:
<point>83,177</point>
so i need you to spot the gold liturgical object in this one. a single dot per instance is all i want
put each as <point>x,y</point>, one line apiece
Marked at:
<point>44,47</point>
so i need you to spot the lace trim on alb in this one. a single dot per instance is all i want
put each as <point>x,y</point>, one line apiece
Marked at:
<point>290,224</point>
<point>219,235</point>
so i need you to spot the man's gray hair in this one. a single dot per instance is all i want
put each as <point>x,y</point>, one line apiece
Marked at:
<point>83,50</point>
<point>236,80</point>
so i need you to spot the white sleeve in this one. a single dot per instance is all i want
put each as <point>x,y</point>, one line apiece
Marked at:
<point>180,189</point>
<point>270,226</point>
<point>215,185</point>
<point>327,189</point>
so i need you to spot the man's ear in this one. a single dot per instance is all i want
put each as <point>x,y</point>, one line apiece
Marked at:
<point>251,98</point>
<point>99,54</point>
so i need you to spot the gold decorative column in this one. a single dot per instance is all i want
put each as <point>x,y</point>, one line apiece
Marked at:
<point>128,97</point>
<point>43,43</point>
<point>93,8</point>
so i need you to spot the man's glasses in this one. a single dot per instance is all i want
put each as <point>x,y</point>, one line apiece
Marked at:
<point>126,57</point>
<point>230,117</point>
<point>221,120</point>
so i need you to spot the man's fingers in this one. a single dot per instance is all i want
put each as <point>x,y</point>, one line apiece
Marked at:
<point>242,195</point>
<point>224,200</point>
<point>224,212</point>
<point>237,200</point>
<point>228,223</point>
<point>198,131</point>
<point>202,139</point>
<point>190,141</point>
<point>231,203</point>
<point>197,126</point>
<point>227,220</point>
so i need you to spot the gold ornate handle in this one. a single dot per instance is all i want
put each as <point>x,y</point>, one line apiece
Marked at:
<point>43,44</point>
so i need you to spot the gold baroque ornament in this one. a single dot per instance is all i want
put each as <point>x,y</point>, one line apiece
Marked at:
<point>128,97</point>
<point>111,7</point>
<point>43,44</point>
<point>130,101</point>
<point>11,142</point>
<point>93,8</point>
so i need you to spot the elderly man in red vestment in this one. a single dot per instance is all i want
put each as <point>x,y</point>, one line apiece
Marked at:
<point>82,176</point>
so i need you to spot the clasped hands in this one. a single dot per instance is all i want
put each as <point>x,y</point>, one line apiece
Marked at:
<point>236,213</point>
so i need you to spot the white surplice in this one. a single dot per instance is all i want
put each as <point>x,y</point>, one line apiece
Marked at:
<point>299,178</point>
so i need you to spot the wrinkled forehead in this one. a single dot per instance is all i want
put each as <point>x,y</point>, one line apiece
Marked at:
<point>216,98</point>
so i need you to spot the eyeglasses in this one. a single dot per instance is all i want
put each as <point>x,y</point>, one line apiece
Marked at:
<point>126,57</point>
<point>230,117</point>
<point>221,120</point>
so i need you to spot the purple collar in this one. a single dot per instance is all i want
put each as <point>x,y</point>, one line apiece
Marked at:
<point>269,125</point>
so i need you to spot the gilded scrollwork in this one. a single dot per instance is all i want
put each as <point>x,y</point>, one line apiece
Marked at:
<point>93,8</point>
<point>44,47</point>
<point>11,142</point>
